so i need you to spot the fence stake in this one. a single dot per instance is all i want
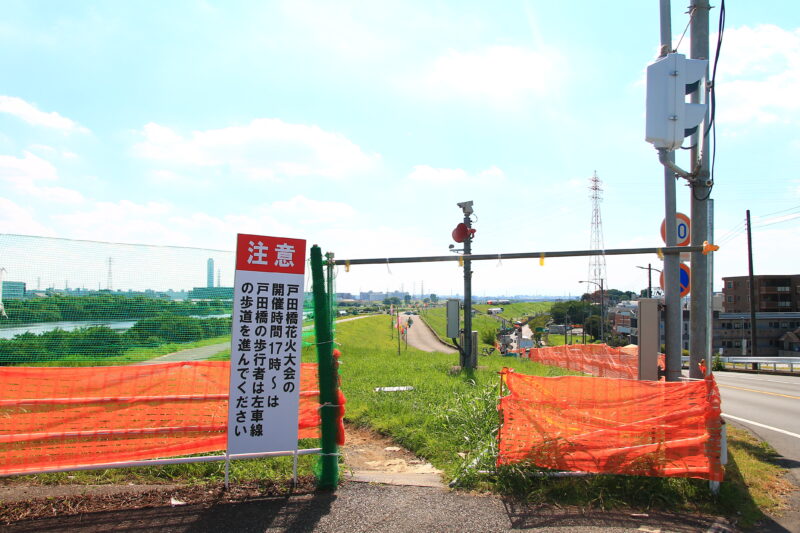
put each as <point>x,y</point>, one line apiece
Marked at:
<point>329,408</point>
<point>227,469</point>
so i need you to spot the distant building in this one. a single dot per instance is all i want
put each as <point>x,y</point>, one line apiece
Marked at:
<point>210,273</point>
<point>13,290</point>
<point>773,294</point>
<point>345,296</point>
<point>620,316</point>
<point>731,334</point>
<point>211,293</point>
<point>789,344</point>
<point>371,296</point>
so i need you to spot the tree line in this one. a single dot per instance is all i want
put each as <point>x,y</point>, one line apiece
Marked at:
<point>101,341</point>
<point>110,306</point>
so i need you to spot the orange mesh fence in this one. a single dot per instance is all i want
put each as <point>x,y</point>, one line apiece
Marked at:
<point>598,360</point>
<point>58,418</point>
<point>612,426</point>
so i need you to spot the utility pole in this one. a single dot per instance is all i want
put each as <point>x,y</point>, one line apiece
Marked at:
<point>672,319</point>
<point>467,361</point>
<point>753,351</point>
<point>602,313</point>
<point>702,266</point>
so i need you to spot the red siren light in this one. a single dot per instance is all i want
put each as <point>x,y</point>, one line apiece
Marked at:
<point>462,232</point>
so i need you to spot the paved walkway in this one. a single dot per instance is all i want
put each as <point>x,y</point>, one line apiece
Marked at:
<point>192,354</point>
<point>421,337</point>
<point>362,507</point>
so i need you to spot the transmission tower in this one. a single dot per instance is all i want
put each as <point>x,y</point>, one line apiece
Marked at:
<point>109,284</point>
<point>597,263</point>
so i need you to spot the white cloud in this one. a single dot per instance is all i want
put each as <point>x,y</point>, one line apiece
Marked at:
<point>307,211</point>
<point>29,167</point>
<point>497,72</point>
<point>23,174</point>
<point>443,176</point>
<point>264,150</point>
<point>17,219</point>
<point>32,115</point>
<point>759,75</point>
<point>122,221</point>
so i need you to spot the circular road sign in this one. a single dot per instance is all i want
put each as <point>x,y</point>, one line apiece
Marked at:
<point>686,276</point>
<point>684,228</point>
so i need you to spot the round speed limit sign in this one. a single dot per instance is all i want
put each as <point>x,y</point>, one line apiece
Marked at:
<point>684,229</point>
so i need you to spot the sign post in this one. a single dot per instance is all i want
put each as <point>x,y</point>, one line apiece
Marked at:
<point>265,344</point>
<point>683,229</point>
<point>685,279</point>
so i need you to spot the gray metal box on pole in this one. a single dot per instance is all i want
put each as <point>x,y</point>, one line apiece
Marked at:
<point>648,339</point>
<point>453,319</point>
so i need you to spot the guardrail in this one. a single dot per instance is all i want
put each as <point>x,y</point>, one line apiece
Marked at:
<point>782,364</point>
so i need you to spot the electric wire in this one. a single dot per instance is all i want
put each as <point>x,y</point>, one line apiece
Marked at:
<point>688,24</point>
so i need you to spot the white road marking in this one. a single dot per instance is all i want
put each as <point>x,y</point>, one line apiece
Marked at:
<point>796,382</point>
<point>795,435</point>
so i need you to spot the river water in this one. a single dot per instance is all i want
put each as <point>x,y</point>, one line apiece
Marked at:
<point>42,327</point>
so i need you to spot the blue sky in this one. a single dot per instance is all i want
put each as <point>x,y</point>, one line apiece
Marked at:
<point>359,125</point>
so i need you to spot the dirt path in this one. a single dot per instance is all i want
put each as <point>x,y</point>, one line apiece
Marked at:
<point>372,458</point>
<point>422,338</point>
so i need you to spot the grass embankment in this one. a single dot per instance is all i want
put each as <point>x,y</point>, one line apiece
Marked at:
<point>516,311</point>
<point>485,325</point>
<point>451,420</point>
<point>139,354</point>
<point>447,418</point>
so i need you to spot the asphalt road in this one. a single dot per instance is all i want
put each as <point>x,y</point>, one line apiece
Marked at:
<point>768,406</point>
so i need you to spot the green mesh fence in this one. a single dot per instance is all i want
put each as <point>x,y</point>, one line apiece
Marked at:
<point>84,303</point>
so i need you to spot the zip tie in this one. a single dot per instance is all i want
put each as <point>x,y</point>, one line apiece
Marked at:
<point>541,259</point>
<point>660,253</point>
<point>347,265</point>
<point>387,267</point>
<point>499,260</point>
<point>461,260</point>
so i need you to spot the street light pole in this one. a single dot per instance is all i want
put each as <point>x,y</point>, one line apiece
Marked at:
<point>602,302</point>
<point>649,269</point>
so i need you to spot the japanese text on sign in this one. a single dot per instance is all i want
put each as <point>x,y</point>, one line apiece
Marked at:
<point>265,345</point>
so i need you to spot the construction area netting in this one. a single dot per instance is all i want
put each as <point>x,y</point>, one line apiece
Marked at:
<point>598,360</point>
<point>118,352</point>
<point>611,425</point>
<point>62,418</point>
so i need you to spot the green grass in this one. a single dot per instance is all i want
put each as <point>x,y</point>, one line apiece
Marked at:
<point>448,418</point>
<point>273,468</point>
<point>437,320</point>
<point>133,355</point>
<point>554,339</point>
<point>517,311</point>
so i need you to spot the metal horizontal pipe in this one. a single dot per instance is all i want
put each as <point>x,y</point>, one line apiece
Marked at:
<point>172,461</point>
<point>524,255</point>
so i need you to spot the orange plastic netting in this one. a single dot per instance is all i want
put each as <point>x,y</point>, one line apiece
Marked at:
<point>612,426</point>
<point>596,359</point>
<point>56,418</point>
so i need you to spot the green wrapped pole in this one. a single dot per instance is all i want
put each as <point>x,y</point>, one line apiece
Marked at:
<point>328,397</point>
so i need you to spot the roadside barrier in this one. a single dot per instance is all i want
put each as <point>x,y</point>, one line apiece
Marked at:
<point>56,418</point>
<point>598,360</point>
<point>612,426</point>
